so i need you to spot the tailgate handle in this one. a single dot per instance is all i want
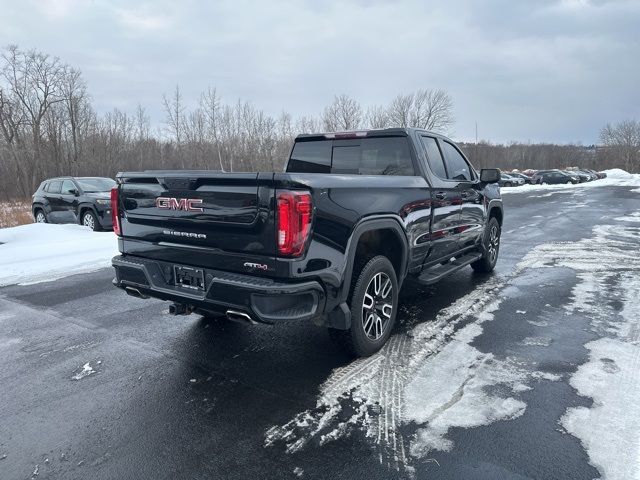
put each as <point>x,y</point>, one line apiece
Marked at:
<point>441,195</point>
<point>179,183</point>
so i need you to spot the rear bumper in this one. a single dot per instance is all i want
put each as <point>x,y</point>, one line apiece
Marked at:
<point>263,299</point>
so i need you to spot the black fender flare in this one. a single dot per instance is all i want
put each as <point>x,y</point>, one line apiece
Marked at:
<point>38,205</point>
<point>87,206</point>
<point>340,317</point>
<point>495,203</point>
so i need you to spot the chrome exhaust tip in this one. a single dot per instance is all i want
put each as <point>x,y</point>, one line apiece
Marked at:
<point>134,292</point>
<point>240,317</point>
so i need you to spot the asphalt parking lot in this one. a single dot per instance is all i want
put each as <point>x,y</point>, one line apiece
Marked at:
<point>486,377</point>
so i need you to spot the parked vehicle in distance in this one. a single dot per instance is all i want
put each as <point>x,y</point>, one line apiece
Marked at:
<point>601,175</point>
<point>331,240</point>
<point>553,177</point>
<point>507,180</point>
<point>581,176</point>
<point>525,178</point>
<point>592,173</point>
<point>83,200</point>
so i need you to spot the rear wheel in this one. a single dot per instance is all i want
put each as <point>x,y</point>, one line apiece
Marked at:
<point>374,303</point>
<point>90,220</point>
<point>491,248</point>
<point>40,217</point>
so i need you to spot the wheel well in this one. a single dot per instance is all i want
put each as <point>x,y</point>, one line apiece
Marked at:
<point>37,207</point>
<point>497,213</point>
<point>381,242</point>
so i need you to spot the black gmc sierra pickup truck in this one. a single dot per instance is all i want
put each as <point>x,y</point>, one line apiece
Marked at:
<point>330,240</point>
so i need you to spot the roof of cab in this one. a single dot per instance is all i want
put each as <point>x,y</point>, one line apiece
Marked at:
<point>372,132</point>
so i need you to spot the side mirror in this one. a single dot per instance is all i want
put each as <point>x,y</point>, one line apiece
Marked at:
<point>75,192</point>
<point>489,175</point>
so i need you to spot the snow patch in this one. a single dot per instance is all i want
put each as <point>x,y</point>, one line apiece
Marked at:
<point>42,252</point>
<point>537,341</point>
<point>449,390</point>
<point>538,323</point>
<point>85,371</point>
<point>610,429</point>
<point>608,291</point>
<point>634,217</point>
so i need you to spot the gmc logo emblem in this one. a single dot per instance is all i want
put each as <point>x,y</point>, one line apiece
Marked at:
<point>186,204</point>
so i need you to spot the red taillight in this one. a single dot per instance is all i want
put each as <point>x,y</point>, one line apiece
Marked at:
<point>294,222</point>
<point>115,217</point>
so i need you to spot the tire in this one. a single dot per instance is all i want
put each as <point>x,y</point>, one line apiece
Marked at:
<point>89,220</point>
<point>491,243</point>
<point>369,301</point>
<point>39,216</point>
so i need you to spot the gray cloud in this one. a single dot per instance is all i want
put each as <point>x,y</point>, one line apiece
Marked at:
<point>545,70</point>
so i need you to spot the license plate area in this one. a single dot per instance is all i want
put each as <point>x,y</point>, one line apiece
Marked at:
<point>189,277</point>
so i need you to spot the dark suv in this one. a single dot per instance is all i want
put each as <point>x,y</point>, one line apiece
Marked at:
<point>83,200</point>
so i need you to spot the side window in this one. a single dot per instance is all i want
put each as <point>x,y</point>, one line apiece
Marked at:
<point>434,157</point>
<point>372,156</point>
<point>67,187</point>
<point>457,166</point>
<point>54,186</point>
<point>311,157</point>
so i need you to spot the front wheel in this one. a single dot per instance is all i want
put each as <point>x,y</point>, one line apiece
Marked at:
<point>90,220</point>
<point>491,244</point>
<point>374,304</point>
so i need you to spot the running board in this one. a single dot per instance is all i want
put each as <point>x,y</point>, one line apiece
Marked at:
<point>435,274</point>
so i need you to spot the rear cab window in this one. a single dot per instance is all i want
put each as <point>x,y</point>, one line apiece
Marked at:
<point>355,156</point>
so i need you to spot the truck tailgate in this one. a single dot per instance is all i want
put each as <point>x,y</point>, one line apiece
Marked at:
<point>215,220</point>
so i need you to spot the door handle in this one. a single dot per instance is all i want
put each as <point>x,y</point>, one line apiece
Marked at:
<point>441,195</point>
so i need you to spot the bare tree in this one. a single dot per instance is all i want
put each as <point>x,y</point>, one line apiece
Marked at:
<point>428,109</point>
<point>175,119</point>
<point>34,80</point>
<point>210,106</point>
<point>344,113</point>
<point>623,139</point>
<point>378,117</point>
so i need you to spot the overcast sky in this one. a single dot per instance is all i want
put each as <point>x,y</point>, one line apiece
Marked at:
<point>542,70</point>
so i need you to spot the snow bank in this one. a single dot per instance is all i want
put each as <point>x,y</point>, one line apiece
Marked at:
<point>615,178</point>
<point>618,173</point>
<point>41,252</point>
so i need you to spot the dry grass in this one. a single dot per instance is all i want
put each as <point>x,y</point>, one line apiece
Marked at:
<point>14,213</point>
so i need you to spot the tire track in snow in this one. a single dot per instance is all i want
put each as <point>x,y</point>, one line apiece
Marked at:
<point>372,389</point>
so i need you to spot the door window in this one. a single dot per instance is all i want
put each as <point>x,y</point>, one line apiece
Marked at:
<point>434,157</point>
<point>68,187</point>
<point>54,186</point>
<point>457,166</point>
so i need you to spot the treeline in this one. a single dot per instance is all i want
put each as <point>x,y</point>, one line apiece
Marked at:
<point>48,127</point>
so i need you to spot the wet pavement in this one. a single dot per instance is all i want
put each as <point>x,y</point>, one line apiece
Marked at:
<point>96,384</point>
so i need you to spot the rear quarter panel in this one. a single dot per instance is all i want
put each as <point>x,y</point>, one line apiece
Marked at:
<point>341,202</point>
